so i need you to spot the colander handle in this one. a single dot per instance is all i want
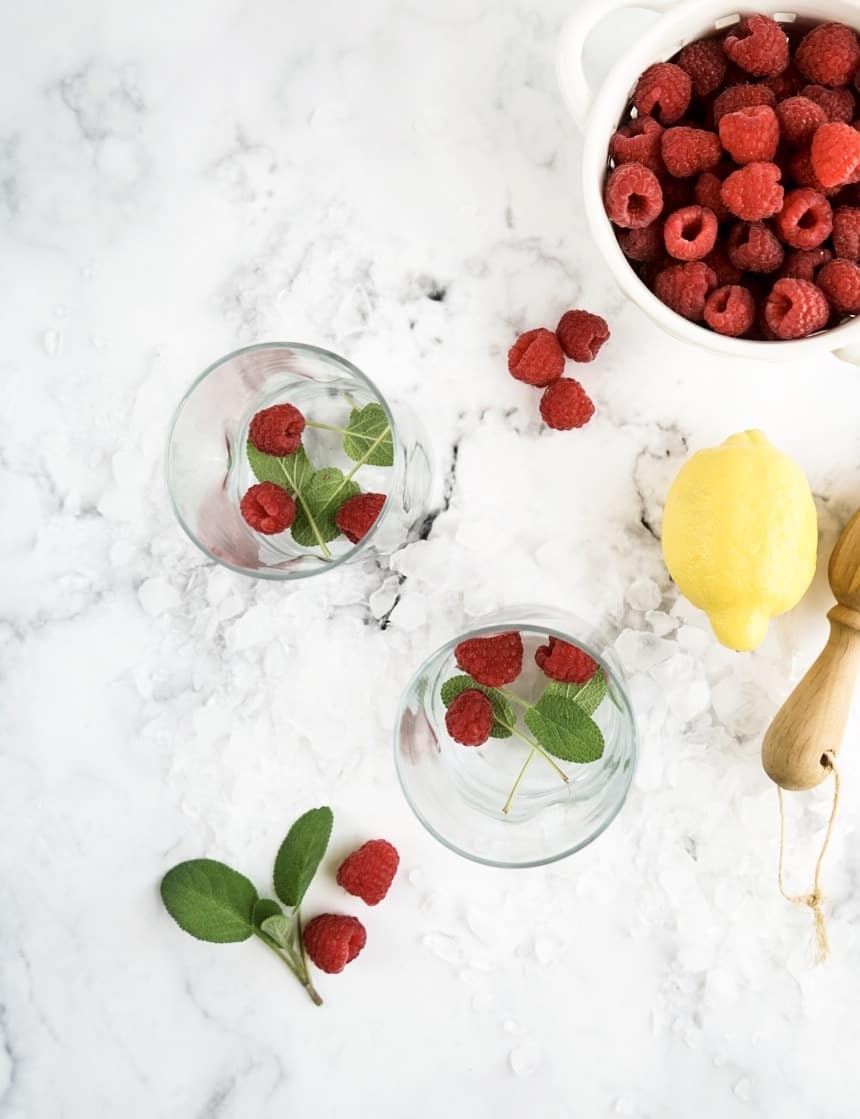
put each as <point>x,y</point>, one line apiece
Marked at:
<point>574,85</point>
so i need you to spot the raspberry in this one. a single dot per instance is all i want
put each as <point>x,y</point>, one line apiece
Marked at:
<point>741,97</point>
<point>469,719</point>
<point>835,153</point>
<point>786,84</point>
<point>805,219</point>
<point>750,134</point>
<point>707,193</point>
<point>676,193</point>
<point>565,662</point>
<point>828,54</point>
<point>268,508</point>
<point>536,358</point>
<point>802,264</point>
<point>368,872</point>
<point>795,308</point>
<point>566,405</point>
<point>798,119</point>
<point>800,169</point>
<point>638,141</point>
<point>836,104</point>
<point>581,334</point>
<point>332,940</point>
<point>846,232</point>
<point>730,310</point>
<point>719,261</point>
<point>840,282</point>
<point>663,91</point>
<point>758,45</point>
<point>357,516</point>
<point>753,192</point>
<point>492,661</point>
<point>705,62</point>
<point>753,247</point>
<point>690,233</point>
<point>689,151</point>
<point>277,430</point>
<point>642,244</point>
<point>685,287</point>
<point>632,197</point>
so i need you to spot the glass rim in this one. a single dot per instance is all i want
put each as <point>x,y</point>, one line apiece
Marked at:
<point>273,573</point>
<point>486,627</point>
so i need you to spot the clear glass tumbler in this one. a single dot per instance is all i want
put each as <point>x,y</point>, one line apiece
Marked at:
<point>209,468</point>
<point>558,765</point>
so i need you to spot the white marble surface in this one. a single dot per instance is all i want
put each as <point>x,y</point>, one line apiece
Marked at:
<point>178,179</point>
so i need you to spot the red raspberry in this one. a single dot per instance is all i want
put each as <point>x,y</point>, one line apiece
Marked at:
<point>753,247</point>
<point>536,358</point>
<point>730,310</point>
<point>566,405</point>
<point>690,233</point>
<point>758,45</point>
<point>750,134</point>
<point>835,153</point>
<point>800,169</point>
<point>638,141</point>
<point>802,264</point>
<point>798,119</point>
<point>581,334</point>
<point>795,308</point>
<point>836,104</point>
<point>741,97</point>
<point>719,261</point>
<point>685,287</point>
<point>689,151</point>
<point>277,430</point>
<point>846,232</point>
<point>705,62</point>
<point>492,661</point>
<point>368,872</point>
<point>469,719</point>
<point>753,192</point>
<point>663,91</point>
<point>828,54</point>
<point>565,662</point>
<point>632,196</point>
<point>805,219</point>
<point>649,271</point>
<point>786,84</point>
<point>840,282</point>
<point>676,193</point>
<point>268,508</point>
<point>706,192</point>
<point>357,516</point>
<point>642,244</point>
<point>332,940</point>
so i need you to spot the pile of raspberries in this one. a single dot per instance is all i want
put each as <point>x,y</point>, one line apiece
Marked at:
<point>734,181</point>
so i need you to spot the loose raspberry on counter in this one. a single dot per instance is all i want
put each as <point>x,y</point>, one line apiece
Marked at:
<point>802,264</point>
<point>638,141</point>
<point>663,91</point>
<point>632,196</point>
<point>685,287</point>
<point>840,282</point>
<point>828,54</point>
<point>836,104</point>
<point>369,871</point>
<point>581,334</point>
<point>357,516</point>
<point>758,45</point>
<point>566,405</point>
<point>642,244</point>
<point>561,661</point>
<point>753,192</point>
<point>754,247</point>
<point>333,940</point>
<point>798,119</point>
<point>750,134</point>
<point>277,430</point>
<point>492,661</point>
<point>835,153</point>
<point>705,62</point>
<point>805,219</point>
<point>846,232</point>
<point>795,309</point>
<point>268,508</point>
<point>690,233</point>
<point>689,151</point>
<point>741,97</point>
<point>469,719</point>
<point>730,310</point>
<point>536,358</point>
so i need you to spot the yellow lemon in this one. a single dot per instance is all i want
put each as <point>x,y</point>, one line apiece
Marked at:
<point>740,536</point>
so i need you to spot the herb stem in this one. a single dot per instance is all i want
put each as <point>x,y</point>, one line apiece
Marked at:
<point>326,427</point>
<point>348,477</point>
<point>537,746</point>
<point>507,805</point>
<point>325,549</point>
<point>297,966</point>
<point>513,696</point>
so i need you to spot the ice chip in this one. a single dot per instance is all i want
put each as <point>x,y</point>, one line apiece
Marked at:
<point>643,594</point>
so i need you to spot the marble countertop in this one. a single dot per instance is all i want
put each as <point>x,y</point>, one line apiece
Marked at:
<point>399,182</point>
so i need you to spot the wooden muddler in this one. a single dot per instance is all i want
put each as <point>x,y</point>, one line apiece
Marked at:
<point>812,720</point>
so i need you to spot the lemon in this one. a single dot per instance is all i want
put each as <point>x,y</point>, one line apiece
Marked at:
<point>740,536</point>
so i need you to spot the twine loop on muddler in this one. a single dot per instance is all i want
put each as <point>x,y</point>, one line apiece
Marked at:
<point>815,899</point>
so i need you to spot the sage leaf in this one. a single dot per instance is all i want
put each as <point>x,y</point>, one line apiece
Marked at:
<point>280,929</point>
<point>323,494</point>
<point>210,900</point>
<point>291,472</point>
<point>562,727</point>
<point>504,718</point>
<point>263,909</point>
<point>588,696</point>
<point>368,436</point>
<point>301,853</point>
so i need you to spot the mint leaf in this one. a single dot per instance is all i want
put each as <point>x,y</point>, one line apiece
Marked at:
<point>263,909</point>
<point>210,900</point>
<point>503,714</point>
<point>588,696</point>
<point>323,495</point>
<point>368,436</point>
<point>562,727</point>
<point>280,929</point>
<point>301,853</point>
<point>291,472</point>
